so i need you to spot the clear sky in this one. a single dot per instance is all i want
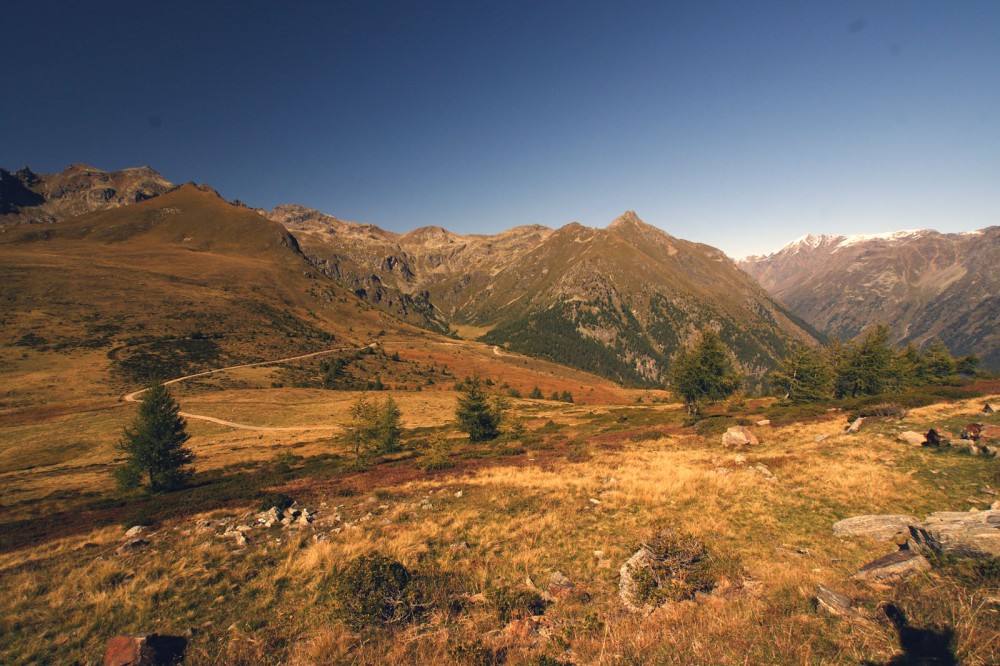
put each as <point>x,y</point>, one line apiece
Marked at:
<point>740,124</point>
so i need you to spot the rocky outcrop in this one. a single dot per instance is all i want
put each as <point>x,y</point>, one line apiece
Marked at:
<point>961,534</point>
<point>30,198</point>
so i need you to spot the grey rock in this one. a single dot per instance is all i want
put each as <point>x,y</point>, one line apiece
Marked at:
<point>628,587</point>
<point>856,425</point>
<point>894,566</point>
<point>881,527</point>
<point>133,544</point>
<point>834,603</point>
<point>960,533</point>
<point>135,531</point>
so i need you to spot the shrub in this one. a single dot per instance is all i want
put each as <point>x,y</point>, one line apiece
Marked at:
<point>888,409</point>
<point>372,592</point>
<point>511,604</point>
<point>272,499</point>
<point>680,566</point>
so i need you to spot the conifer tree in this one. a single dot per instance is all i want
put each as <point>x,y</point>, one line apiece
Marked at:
<point>936,363</point>
<point>374,426</point>
<point>865,367</point>
<point>154,445</point>
<point>703,372</point>
<point>804,375</point>
<point>478,413</point>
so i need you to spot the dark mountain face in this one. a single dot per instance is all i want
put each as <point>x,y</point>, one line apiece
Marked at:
<point>922,284</point>
<point>30,198</point>
<point>616,301</point>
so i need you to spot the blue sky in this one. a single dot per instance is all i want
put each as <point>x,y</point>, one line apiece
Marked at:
<point>738,124</point>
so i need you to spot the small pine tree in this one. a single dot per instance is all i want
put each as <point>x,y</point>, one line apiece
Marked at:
<point>153,445</point>
<point>804,376</point>
<point>374,426</point>
<point>536,394</point>
<point>703,372</point>
<point>967,365</point>
<point>478,413</point>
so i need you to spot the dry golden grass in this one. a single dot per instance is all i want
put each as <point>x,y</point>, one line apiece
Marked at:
<point>521,520</point>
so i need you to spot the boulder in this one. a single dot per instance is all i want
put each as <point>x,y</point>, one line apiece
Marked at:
<point>856,424</point>
<point>960,533</point>
<point>912,438</point>
<point>628,586</point>
<point>881,527</point>
<point>764,422</point>
<point>144,650</point>
<point>135,531</point>
<point>937,437</point>
<point>739,436</point>
<point>894,566</point>
<point>990,408</point>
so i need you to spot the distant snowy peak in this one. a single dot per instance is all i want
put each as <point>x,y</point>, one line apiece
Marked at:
<point>833,243</point>
<point>889,236</point>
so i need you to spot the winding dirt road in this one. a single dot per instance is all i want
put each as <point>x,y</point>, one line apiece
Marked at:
<point>134,396</point>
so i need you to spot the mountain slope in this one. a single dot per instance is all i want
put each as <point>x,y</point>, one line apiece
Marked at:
<point>616,301</point>
<point>922,284</point>
<point>30,198</point>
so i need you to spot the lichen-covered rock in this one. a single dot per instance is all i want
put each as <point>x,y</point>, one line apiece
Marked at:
<point>961,534</point>
<point>881,527</point>
<point>912,438</point>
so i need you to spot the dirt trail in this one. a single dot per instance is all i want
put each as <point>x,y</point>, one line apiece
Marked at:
<point>134,396</point>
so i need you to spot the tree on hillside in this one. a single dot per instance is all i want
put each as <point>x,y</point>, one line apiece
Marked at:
<point>865,366</point>
<point>967,365</point>
<point>479,413</point>
<point>703,372</point>
<point>153,445</point>
<point>374,426</point>
<point>936,363</point>
<point>804,376</point>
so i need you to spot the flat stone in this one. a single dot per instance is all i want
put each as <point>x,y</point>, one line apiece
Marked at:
<point>834,603</point>
<point>960,533</point>
<point>763,422</point>
<point>894,566</point>
<point>856,424</point>
<point>912,438</point>
<point>881,527</point>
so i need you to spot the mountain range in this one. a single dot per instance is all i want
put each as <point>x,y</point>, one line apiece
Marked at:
<point>617,301</point>
<point>922,284</point>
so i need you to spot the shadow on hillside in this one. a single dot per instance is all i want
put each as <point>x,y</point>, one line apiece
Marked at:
<point>921,647</point>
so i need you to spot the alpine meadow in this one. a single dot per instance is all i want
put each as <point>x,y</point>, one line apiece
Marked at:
<point>556,399</point>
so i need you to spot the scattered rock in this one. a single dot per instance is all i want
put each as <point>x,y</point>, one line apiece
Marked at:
<point>458,494</point>
<point>894,566</point>
<point>990,408</point>
<point>594,500</point>
<point>204,525</point>
<point>135,531</point>
<point>936,437</point>
<point>628,586</point>
<point>459,545</point>
<point>835,603</point>
<point>881,527</point>
<point>739,436</point>
<point>131,545</point>
<point>819,438</point>
<point>762,469</point>
<point>560,586</point>
<point>972,431</point>
<point>912,438</point>
<point>763,422</point>
<point>144,650</point>
<point>856,425</point>
<point>722,471</point>
<point>960,533</point>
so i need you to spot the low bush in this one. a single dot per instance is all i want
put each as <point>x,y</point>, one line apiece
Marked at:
<point>373,591</point>
<point>272,499</point>
<point>680,567</point>
<point>510,604</point>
